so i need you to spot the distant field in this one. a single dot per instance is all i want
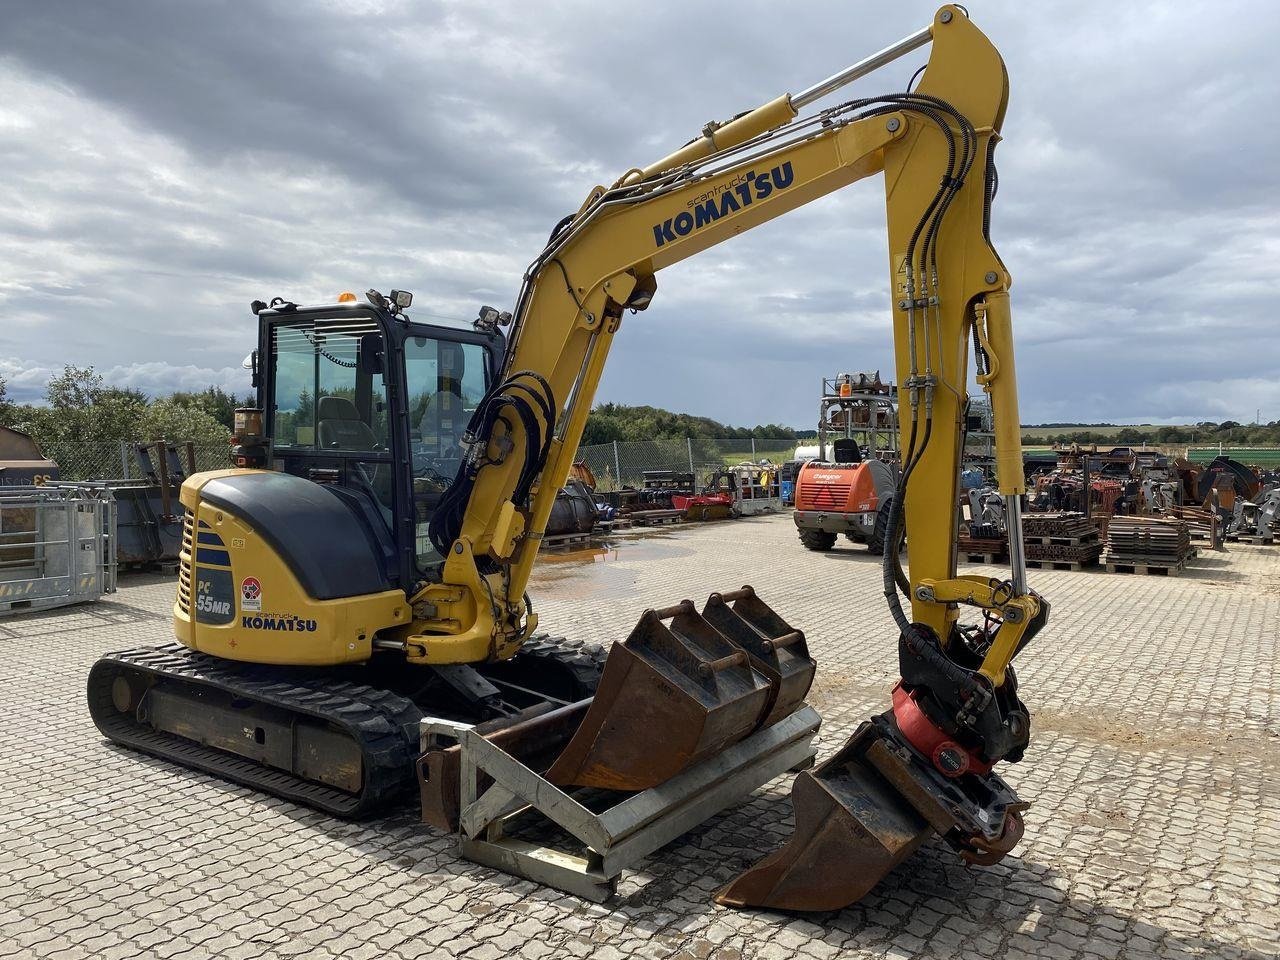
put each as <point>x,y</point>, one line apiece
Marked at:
<point>1042,432</point>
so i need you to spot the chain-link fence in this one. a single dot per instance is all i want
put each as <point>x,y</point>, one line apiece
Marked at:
<point>614,464</point>
<point>117,460</point>
<point>622,464</point>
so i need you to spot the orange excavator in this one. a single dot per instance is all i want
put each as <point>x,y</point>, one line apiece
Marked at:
<point>363,567</point>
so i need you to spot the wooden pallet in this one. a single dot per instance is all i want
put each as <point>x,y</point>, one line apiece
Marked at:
<point>656,518</point>
<point>566,541</point>
<point>1075,565</point>
<point>1063,541</point>
<point>1256,540</point>
<point>1147,569</point>
<point>968,557</point>
<point>608,526</point>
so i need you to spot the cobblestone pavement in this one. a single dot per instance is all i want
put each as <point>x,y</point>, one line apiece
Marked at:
<point>1154,773</point>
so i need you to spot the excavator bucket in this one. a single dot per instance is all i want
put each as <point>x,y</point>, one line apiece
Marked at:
<point>671,694</point>
<point>866,809</point>
<point>776,649</point>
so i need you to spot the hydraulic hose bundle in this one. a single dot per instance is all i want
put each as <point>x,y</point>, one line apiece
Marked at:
<point>526,395</point>
<point>921,262</point>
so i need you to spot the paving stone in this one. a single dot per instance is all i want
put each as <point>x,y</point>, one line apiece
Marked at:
<point>1139,727</point>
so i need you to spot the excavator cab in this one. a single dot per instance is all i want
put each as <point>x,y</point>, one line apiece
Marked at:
<point>361,399</point>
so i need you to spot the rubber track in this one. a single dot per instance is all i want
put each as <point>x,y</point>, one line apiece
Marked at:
<point>382,723</point>
<point>584,661</point>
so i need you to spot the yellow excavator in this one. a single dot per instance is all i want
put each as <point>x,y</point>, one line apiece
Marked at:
<point>365,562</point>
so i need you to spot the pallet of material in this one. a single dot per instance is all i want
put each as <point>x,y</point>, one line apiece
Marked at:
<point>1060,541</point>
<point>654,518</point>
<point>1058,525</point>
<point>1198,520</point>
<point>1147,544</point>
<point>1079,551</point>
<point>981,545</point>
<point>981,549</point>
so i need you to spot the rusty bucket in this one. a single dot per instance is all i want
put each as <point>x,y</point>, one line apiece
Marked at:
<point>862,812</point>
<point>670,695</point>
<point>776,649</point>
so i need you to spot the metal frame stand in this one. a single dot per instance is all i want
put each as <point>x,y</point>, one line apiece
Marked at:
<point>57,546</point>
<point>623,833</point>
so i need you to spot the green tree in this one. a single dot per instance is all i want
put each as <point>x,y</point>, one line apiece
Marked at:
<point>76,388</point>
<point>175,418</point>
<point>214,401</point>
<point>7,409</point>
<point>614,421</point>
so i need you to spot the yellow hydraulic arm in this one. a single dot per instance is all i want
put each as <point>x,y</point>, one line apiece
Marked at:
<point>948,286</point>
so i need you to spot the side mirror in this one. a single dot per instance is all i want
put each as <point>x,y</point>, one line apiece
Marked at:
<point>371,354</point>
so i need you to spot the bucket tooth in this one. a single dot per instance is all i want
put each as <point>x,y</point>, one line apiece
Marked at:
<point>670,695</point>
<point>777,650</point>
<point>862,812</point>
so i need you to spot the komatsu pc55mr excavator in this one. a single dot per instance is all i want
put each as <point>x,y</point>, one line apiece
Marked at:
<point>366,562</point>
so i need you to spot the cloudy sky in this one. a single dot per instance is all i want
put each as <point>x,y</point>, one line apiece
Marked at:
<point>164,163</point>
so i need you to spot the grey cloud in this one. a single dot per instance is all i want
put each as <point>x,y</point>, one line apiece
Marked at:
<point>165,163</point>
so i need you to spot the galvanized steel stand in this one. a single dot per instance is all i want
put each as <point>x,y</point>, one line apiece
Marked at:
<point>627,831</point>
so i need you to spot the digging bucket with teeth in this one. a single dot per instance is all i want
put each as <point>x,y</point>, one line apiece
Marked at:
<point>865,810</point>
<point>679,690</point>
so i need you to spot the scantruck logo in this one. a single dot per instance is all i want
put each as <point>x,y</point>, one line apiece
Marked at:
<point>722,200</point>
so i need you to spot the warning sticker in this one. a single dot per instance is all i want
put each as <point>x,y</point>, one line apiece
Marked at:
<point>250,594</point>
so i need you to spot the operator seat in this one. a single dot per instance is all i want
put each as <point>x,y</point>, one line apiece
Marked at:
<point>339,426</point>
<point>846,450</point>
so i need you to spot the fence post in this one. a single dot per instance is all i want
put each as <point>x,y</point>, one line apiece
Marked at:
<point>617,466</point>
<point>124,459</point>
<point>689,441</point>
<point>753,449</point>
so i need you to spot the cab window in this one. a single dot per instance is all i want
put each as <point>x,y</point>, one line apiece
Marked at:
<point>329,392</point>
<point>446,380</point>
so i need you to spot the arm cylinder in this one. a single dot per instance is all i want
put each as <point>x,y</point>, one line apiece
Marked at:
<point>1003,388</point>
<point>1002,385</point>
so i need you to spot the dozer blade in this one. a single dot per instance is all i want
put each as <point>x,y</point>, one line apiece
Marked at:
<point>669,697</point>
<point>866,809</point>
<point>776,649</point>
